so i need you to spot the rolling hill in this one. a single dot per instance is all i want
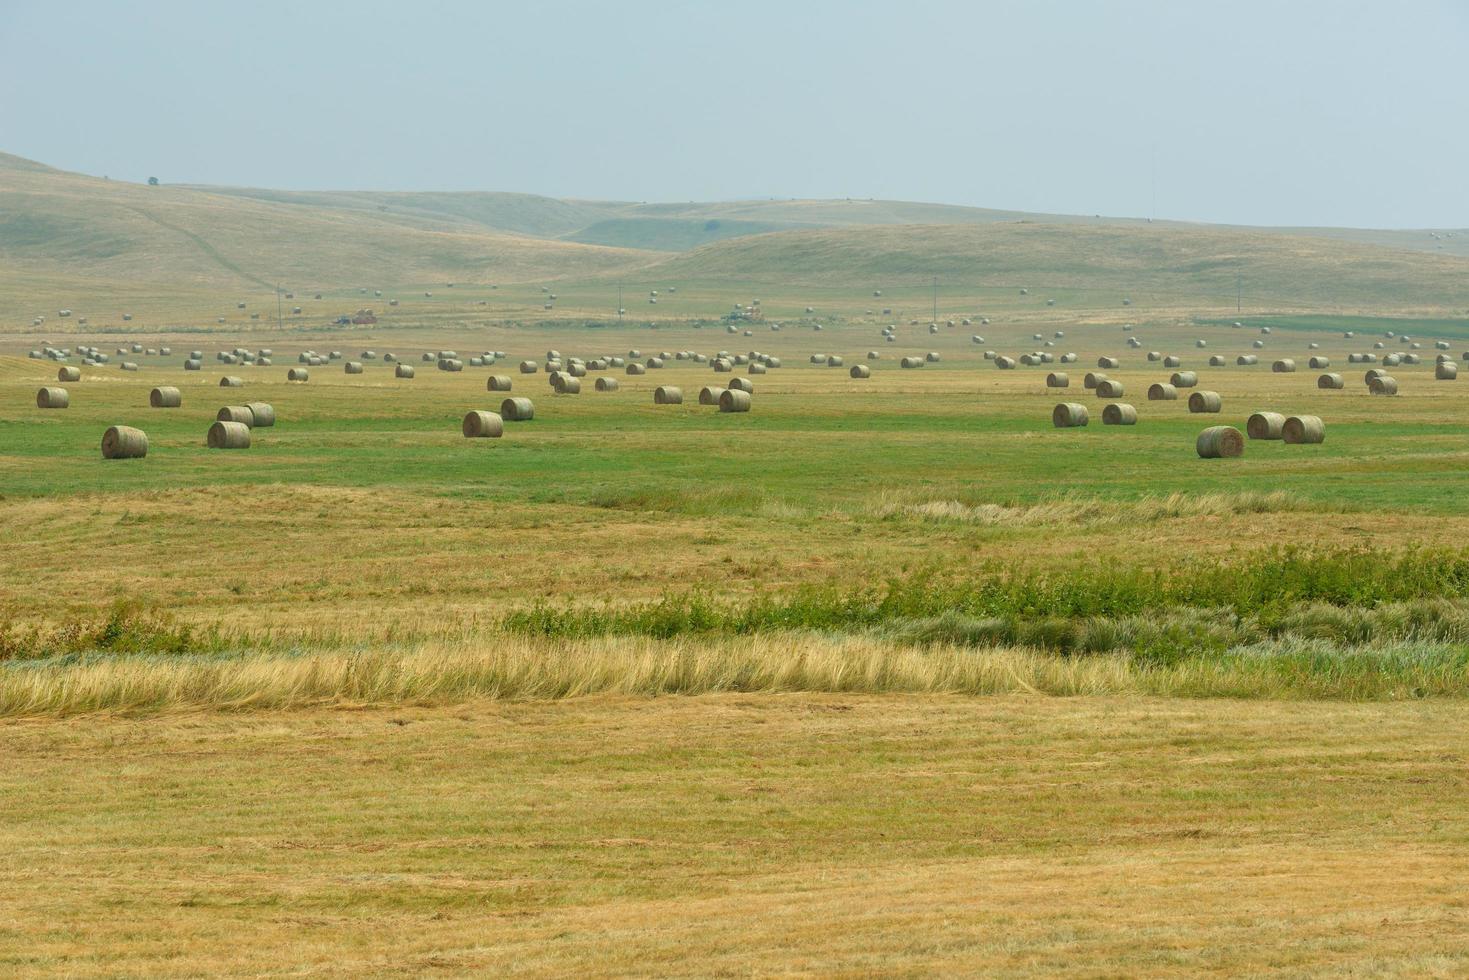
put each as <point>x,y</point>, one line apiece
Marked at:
<point>65,237</point>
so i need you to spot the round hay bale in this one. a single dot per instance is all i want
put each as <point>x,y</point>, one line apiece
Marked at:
<point>635,368</point>
<point>452,364</point>
<point>352,367</point>
<point>1446,371</point>
<point>1184,379</point>
<point>576,370</point>
<point>1391,360</point>
<point>757,368</point>
<point>1162,393</point>
<point>193,364</point>
<point>1108,362</point>
<point>1303,430</point>
<point>567,385</point>
<point>1265,425</point>
<point>606,384</point>
<point>498,382</point>
<point>1220,442</point>
<point>1247,360</point>
<point>734,400</point>
<point>1201,344</point>
<point>483,425</point>
<point>236,413</point>
<point>1119,413</point>
<point>124,442</point>
<point>1205,402</point>
<point>1331,382</point>
<point>298,374</point>
<point>229,435</point>
<point>1069,415</point>
<point>911,362</point>
<point>402,370</point>
<point>165,398</point>
<point>1155,355</point>
<point>1383,385</point>
<point>1092,380</point>
<point>1319,363</point>
<point>52,398</point>
<point>834,360</point>
<point>860,371</point>
<point>1108,388</point>
<point>1284,366</point>
<point>517,410</point>
<point>1172,361</point>
<point>654,362</point>
<point>69,374</point>
<point>932,357</point>
<point>667,395</point>
<point>1258,345</point>
<point>1068,358</point>
<point>529,367</point>
<point>1371,375</point>
<point>745,384</point>
<point>873,355</point>
<point>230,381</point>
<point>262,415</point>
<point>128,366</point>
<point>1215,360</point>
<point>1057,380</point>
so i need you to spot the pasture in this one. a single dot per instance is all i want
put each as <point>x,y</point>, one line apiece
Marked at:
<point>885,675</point>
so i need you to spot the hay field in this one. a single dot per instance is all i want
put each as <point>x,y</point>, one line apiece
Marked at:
<point>884,676</point>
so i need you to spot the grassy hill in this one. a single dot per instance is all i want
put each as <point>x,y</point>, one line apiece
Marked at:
<point>1149,261</point>
<point>57,223</point>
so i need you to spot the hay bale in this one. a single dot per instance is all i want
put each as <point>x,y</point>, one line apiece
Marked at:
<point>1092,379</point>
<point>757,368</point>
<point>1107,388</point>
<point>483,425</point>
<point>1331,382</point>
<point>567,385</point>
<point>1265,425</point>
<point>403,370</point>
<point>165,398</point>
<point>1247,360</point>
<point>193,364</point>
<point>529,367</point>
<point>606,384</point>
<point>298,374</point>
<point>517,410</point>
<point>1383,385</point>
<point>1201,344</point>
<point>236,413</point>
<point>1119,413</point>
<point>1184,379</point>
<point>654,362</point>
<point>229,435</point>
<point>1303,430</point>
<point>262,414</point>
<point>452,364</point>
<point>911,362</point>
<point>932,357</point>
<point>734,400</point>
<point>352,367</point>
<point>1216,360</point>
<point>1284,366</point>
<point>1155,355</point>
<point>1108,362</point>
<point>1057,380</point>
<point>1319,363</point>
<point>497,382</point>
<point>1068,358</point>
<point>634,368</point>
<point>1069,415</point>
<point>1220,442</point>
<point>667,395</point>
<point>1162,393</point>
<point>1172,361</point>
<point>69,374</point>
<point>745,384</point>
<point>834,360</point>
<point>229,381</point>
<point>1446,371</point>
<point>860,371</point>
<point>124,442</point>
<point>1205,402</point>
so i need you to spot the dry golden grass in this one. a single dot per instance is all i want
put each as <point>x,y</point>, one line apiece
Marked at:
<point>837,834</point>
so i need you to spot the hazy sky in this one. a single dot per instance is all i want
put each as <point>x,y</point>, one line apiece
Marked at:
<point>1312,112</point>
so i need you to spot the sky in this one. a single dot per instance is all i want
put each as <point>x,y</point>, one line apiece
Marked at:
<point>1292,112</point>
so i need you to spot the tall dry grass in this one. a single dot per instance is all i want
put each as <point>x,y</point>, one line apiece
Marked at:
<point>529,668</point>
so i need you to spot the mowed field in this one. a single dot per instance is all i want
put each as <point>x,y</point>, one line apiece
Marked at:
<point>884,676</point>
